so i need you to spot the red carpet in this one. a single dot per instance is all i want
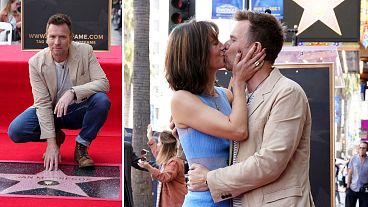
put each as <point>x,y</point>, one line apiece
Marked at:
<point>104,150</point>
<point>16,97</point>
<point>48,202</point>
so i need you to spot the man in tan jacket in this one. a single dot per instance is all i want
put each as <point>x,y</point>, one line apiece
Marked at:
<point>69,89</point>
<point>271,168</point>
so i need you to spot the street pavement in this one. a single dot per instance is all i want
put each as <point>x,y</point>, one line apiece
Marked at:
<point>342,199</point>
<point>116,36</point>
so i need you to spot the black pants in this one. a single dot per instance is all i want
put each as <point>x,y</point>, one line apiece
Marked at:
<point>352,197</point>
<point>337,194</point>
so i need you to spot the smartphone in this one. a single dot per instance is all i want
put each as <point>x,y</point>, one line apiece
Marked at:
<point>144,153</point>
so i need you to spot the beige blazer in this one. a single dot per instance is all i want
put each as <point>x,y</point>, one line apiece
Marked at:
<point>273,164</point>
<point>85,74</point>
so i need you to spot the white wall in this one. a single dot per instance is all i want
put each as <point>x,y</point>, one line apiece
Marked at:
<point>160,92</point>
<point>3,3</point>
<point>204,12</point>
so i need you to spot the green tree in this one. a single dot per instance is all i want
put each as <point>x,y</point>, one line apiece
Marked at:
<point>141,98</point>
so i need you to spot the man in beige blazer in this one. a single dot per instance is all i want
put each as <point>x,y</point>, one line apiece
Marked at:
<point>69,89</point>
<point>271,168</point>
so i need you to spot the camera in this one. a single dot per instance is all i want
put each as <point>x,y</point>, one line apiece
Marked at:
<point>144,153</point>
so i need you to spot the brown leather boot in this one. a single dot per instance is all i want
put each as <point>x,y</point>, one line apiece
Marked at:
<point>81,156</point>
<point>60,138</point>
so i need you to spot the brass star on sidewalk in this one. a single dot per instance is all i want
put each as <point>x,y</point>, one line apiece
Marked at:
<point>322,10</point>
<point>49,179</point>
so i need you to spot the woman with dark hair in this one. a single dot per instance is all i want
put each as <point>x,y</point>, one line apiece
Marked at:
<point>206,117</point>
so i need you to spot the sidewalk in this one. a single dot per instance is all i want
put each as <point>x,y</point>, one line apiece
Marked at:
<point>342,199</point>
<point>116,36</point>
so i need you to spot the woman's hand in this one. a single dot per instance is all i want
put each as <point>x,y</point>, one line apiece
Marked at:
<point>19,25</point>
<point>144,164</point>
<point>149,132</point>
<point>172,126</point>
<point>244,68</point>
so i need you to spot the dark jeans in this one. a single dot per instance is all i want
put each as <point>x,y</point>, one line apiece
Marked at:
<point>352,197</point>
<point>89,116</point>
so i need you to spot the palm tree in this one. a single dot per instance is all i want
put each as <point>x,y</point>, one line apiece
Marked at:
<point>128,58</point>
<point>142,189</point>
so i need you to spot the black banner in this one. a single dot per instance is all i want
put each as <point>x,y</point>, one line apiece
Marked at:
<point>90,21</point>
<point>347,15</point>
<point>316,81</point>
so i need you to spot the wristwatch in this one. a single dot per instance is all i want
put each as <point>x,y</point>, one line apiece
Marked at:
<point>73,91</point>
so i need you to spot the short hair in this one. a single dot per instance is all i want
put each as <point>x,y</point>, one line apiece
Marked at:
<point>169,147</point>
<point>364,142</point>
<point>59,19</point>
<point>187,55</point>
<point>266,29</point>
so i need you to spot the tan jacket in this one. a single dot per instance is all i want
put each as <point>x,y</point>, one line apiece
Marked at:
<point>273,164</point>
<point>173,188</point>
<point>85,73</point>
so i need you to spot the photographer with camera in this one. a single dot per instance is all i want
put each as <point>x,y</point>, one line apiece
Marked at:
<point>357,183</point>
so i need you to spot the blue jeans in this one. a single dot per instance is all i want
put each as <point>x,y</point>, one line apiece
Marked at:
<point>89,116</point>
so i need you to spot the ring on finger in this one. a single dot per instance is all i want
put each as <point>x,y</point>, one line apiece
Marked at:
<point>256,63</point>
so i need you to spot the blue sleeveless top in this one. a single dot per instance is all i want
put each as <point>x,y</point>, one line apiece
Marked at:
<point>209,151</point>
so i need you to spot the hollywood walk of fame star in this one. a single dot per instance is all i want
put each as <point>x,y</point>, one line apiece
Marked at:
<point>49,179</point>
<point>322,10</point>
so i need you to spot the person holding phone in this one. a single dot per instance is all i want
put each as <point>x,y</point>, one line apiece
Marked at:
<point>130,160</point>
<point>171,189</point>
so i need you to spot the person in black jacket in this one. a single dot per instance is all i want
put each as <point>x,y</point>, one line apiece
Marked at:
<point>130,160</point>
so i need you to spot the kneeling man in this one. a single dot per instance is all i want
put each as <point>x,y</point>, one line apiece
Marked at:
<point>69,90</point>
